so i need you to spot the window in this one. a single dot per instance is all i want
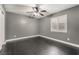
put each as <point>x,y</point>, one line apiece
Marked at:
<point>59,24</point>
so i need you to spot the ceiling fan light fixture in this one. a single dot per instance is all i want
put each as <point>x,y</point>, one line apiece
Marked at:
<point>37,11</point>
<point>36,14</point>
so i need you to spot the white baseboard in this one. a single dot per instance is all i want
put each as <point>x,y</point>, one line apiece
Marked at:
<point>15,39</point>
<point>64,42</point>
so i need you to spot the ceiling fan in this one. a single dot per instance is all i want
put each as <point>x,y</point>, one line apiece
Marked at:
<point>37,11</point>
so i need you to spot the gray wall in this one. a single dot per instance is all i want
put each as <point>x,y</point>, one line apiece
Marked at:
<point>14,27</point>
<point>42,26</point>
<point>72,25</point>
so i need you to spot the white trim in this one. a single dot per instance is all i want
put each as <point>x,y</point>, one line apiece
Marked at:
<point>68,43</point>
<point>15,39</point>
<point>57,20</point>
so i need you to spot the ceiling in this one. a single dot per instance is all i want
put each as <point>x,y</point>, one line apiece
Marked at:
<point>25,8</point>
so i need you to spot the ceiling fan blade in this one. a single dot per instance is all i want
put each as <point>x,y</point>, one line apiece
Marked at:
<point>41,14</point>
<point>36,8</point>
<point>43,11</point>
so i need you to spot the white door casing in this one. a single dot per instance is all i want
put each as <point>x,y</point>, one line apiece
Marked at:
<point>2,27</point>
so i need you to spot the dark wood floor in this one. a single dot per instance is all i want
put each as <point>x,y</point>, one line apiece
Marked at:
<point>39,46</point>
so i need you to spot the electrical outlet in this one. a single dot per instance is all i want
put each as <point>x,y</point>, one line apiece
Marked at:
<point>68,39</point>
<point>14,35</point>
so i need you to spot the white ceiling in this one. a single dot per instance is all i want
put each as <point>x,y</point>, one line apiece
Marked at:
<point>23,8</point>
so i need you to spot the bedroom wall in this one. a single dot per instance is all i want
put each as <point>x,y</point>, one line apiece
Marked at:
<point>72,26</point>
<point>15,28</point>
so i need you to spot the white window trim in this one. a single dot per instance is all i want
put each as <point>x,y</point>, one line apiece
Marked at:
<point>57,30</point>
